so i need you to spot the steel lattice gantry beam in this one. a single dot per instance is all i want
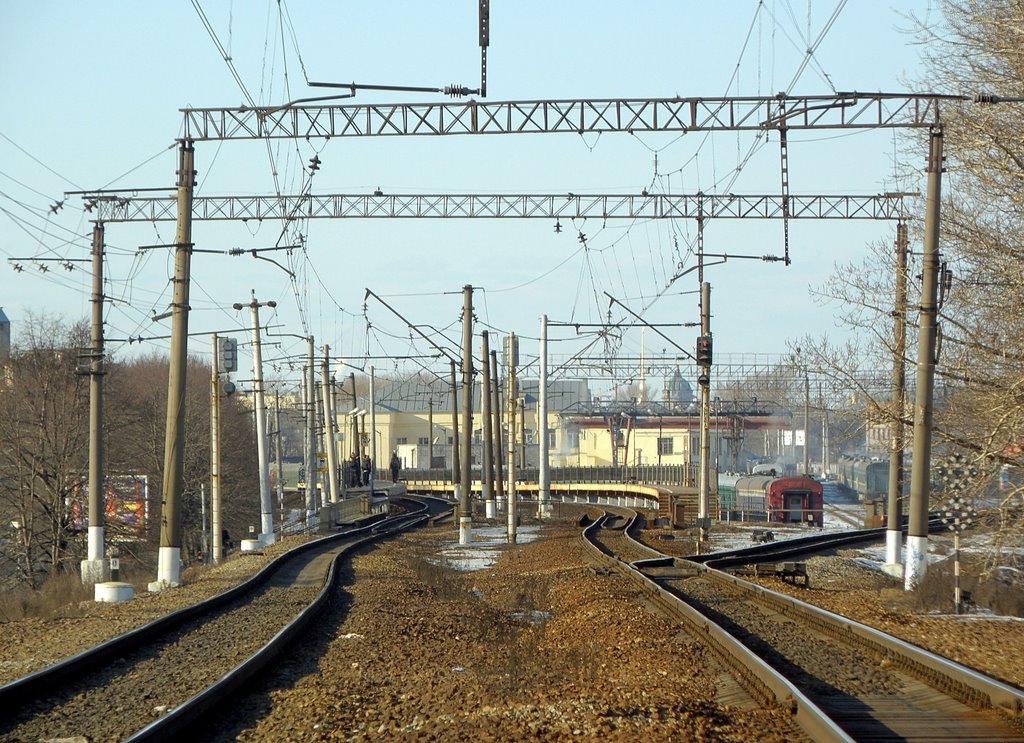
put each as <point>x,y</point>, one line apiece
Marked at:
<point>503,206</point>
<point>755,113</point>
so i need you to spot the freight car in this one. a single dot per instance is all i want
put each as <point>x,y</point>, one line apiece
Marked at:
<point>766,498</point>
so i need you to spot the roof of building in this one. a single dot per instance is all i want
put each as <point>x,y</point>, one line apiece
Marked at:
<point>417,395</point>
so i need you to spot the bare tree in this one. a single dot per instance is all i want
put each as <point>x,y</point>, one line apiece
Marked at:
<point>43,448</point>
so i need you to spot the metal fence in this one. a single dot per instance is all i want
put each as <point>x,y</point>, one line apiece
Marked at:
<point>684,475</point>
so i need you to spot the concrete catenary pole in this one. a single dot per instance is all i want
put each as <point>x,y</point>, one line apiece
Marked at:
<point>322,481</point>
<point>430,432</point>
<point>917,529</point>
<point>544,442</point>
<point>465,507</point>
<point>499,476</point>
<point>511,360</point>
<point>522,433</point>
<point>311,458</point>
<point>704,382</point>
<point>266,500</point>
<point>330,441</point>
<point>355,429</point>
<point>215,526</point>
<point>893,530</point>
<point>826,465</point>
<point>456,464</point>
<point>373,432</point>
<point>807,424</point>
<point>487,462</point>
<point>169,556</point>
<point>94,568</point>
<point>277,456</point>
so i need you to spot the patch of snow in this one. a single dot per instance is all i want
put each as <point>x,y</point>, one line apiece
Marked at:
<point>533,617</point>
<point>487,545</point>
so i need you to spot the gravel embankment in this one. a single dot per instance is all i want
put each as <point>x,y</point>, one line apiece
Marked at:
<point>417,651</point>
<point>423,652</point>
<point>30,644</point>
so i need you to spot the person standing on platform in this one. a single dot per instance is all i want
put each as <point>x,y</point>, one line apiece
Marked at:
<point>353,470</point>
<point>367,468</point>
<point>396,466</point>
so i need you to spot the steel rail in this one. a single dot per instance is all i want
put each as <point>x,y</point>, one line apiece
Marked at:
<point>190,713</point>
<point>795,547</point>
<point>760,679</point>
<point>971,687</point>
<point>47,681</point>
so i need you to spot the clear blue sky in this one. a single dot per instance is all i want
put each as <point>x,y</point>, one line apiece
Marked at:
<point>91,93</point>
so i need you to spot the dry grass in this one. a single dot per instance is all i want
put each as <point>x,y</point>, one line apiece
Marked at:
<point>59,596</point>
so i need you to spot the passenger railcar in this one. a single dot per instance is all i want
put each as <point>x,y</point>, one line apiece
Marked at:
<point>766,498</point>
<point>868,478</point>
<point>795,500</point>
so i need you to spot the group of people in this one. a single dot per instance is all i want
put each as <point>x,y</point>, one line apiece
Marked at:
<point>361,470</point>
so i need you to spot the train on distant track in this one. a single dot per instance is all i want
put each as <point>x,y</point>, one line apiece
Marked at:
<point>791,500</point>
<point>868,478</point>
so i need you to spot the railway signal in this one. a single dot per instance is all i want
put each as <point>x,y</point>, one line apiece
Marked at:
<point>704,350</point>
<point>958,513</point>
<point>227,350</point>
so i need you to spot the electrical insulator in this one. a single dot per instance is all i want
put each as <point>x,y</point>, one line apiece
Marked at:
<point>703,350</point>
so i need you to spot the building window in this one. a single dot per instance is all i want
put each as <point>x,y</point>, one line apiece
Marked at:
<point>423,441</point>
<point>402,441</point>
<point>665,445</point>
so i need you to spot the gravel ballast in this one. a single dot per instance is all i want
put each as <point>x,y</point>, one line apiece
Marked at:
<point>537,646</point>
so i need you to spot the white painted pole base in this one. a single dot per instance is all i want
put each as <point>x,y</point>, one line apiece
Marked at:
<point>113,591</point>
<point>893,547</point>
<point>465,529</point>
<point>513,513</point>
<point>168,572</point>
<point>268,538</point>
<point>544,507</point>
<point>490,511</point>
<point>95,549</point>
<point>917,562</point>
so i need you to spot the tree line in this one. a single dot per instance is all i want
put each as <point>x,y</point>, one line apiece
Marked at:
<point>44,454</point>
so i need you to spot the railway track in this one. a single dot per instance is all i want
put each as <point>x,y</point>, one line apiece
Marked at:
<point>159,680</point>
<point>842,680</point>
<point>613,540</point>
<point>795,547</point>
